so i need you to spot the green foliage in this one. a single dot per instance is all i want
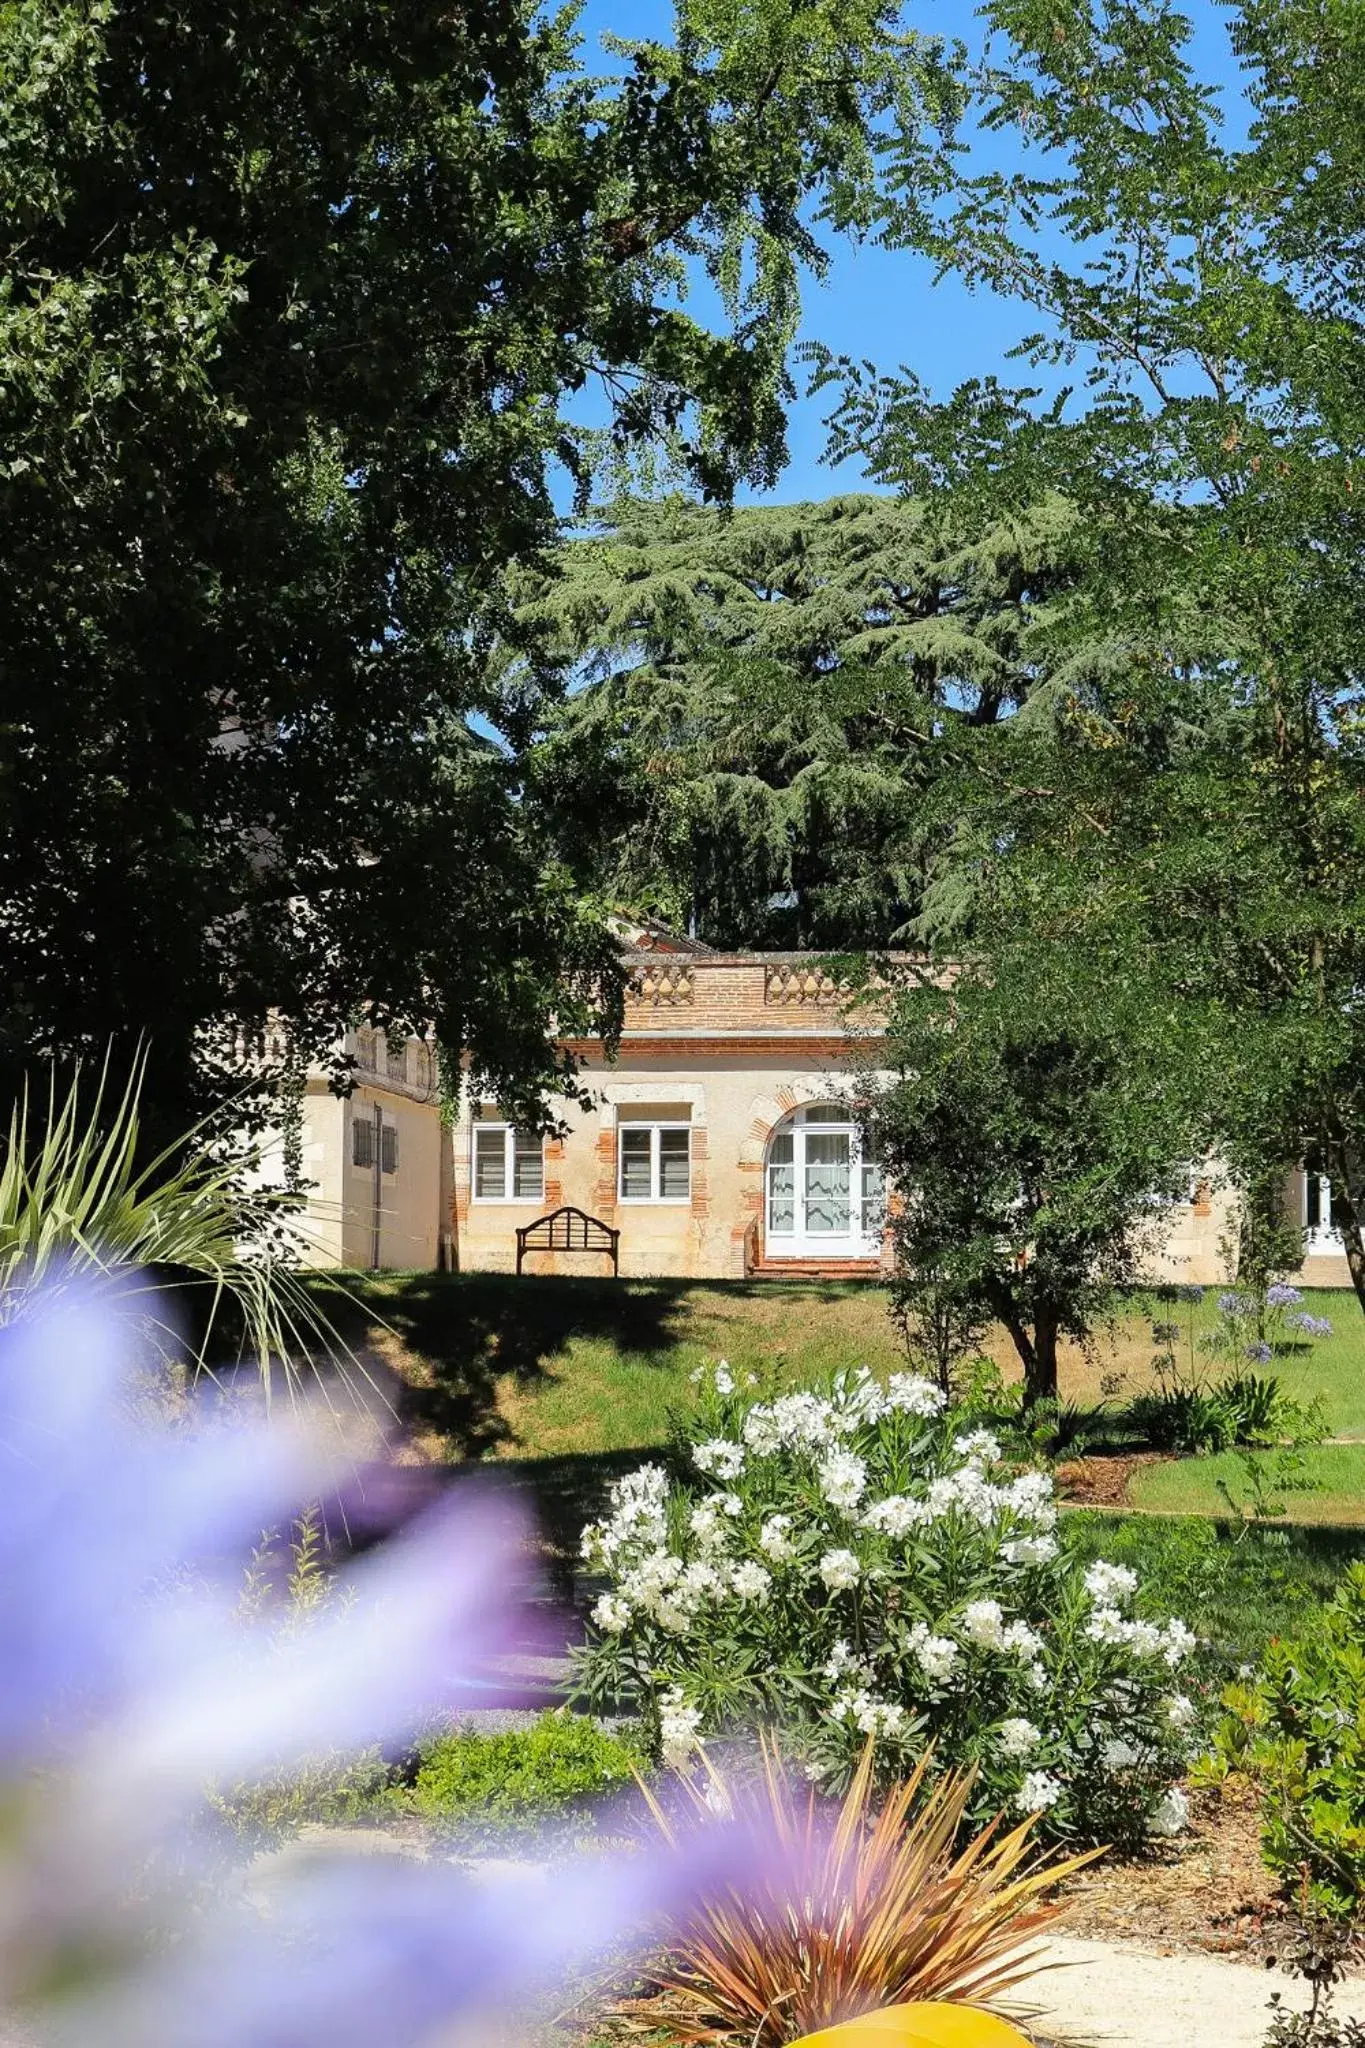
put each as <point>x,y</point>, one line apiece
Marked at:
<point>860,1566</point>
<point>296,299</point>
<point>524,1779</point>
<point>287,1589</point>
<point>1299,1728</point>
<point>764,690</point>
<point>1197,805</point>
<point>1040,1112</point>
<point>75,1202</point>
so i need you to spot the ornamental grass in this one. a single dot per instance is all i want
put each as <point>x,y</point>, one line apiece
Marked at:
<point>855,1908</point>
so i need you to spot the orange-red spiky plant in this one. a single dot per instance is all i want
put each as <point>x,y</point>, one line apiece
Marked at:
<point>856,1910</point>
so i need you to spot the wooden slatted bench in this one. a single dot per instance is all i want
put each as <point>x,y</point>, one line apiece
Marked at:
<point>569,1230</point>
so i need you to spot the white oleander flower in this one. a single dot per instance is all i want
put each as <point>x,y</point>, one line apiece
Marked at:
<point>1109,1585</point>
<point>978,1447</point>
<point>1021,1642</point>
<point>1031,1498</point>
<point>1018,1737</point>
<point>937,1656</point>
<point>774,1539</point>
<point>910,1394</point>
<point>705,1524</point>
<point>842,1479</point>
<point>839,1569</point>
<point>1180,1711</point>
<point>1118,1755</point>
<point>751,1582</point>
<point>984,1625</point>
<point>877,1717</point>
<point>1179,1642</point>
<point>612,1614</point>
<point>701,1582</point>
<point>795,1422</point>
<point>1026,1550</point>
<point>1039,1791</point>
<point>678,1725</point>
<point>729,1504</point>
<point>1171,1813</point>
<point>723,1379</point>
<point>841,1659</point>
<point>897,1515</point>
<point>719,1457</point>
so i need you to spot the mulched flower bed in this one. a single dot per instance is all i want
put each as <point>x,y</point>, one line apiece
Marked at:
<point>1206,1890</point>
<point>1102,1482</point>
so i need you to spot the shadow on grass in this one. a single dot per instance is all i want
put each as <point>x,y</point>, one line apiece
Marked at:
<point>462,1333</point>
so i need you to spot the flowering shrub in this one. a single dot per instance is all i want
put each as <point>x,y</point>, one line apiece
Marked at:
<point>848,1564</point>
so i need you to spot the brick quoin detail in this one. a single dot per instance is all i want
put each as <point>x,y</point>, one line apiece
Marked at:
<point>701,1203</point>
<point>604,1194</point>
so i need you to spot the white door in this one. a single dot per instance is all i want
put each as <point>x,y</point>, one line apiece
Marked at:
<point>824,1200</point>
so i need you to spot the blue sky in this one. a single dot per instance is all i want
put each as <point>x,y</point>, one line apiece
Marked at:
<point>885,306</point>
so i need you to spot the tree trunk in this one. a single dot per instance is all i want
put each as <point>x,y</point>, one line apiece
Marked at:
<point>1348,1209</point>
<point>1041,1384</point>
<point>1037,1350</point>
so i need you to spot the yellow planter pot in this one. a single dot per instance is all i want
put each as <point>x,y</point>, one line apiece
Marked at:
<point>919,2026</point>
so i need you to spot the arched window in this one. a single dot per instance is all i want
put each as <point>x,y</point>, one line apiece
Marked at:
<point>823,1198</point>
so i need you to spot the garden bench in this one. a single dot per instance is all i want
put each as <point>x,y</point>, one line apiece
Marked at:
<point>568,1230</point>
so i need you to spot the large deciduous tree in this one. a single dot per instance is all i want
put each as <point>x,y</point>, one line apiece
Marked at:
<point>294,298</point>
<point>1199,803</point>
<point>765,693</point>
<point>1035,1137</point>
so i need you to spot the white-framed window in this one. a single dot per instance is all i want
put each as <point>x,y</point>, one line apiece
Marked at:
<point>654,1162</point>
<point>824,1195</point>
<point>1315,1213</point>
<point>508,1164</point>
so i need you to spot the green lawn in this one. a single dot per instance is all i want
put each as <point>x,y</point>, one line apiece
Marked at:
<point>580,1373</point>
<point>1189,1486</point>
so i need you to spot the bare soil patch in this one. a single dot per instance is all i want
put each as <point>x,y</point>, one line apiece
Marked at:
<point>1103,1481</point>
<point>1208,1890</point>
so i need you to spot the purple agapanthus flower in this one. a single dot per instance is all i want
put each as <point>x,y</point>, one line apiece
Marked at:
<point>1259,1354</point>
<point>1281,1295</point>
<point>129,1683</point>
<point>1311,1325</point>
<point>1235,1305</point>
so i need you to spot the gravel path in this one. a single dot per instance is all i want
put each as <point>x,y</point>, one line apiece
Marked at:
<point>1110,1996</point>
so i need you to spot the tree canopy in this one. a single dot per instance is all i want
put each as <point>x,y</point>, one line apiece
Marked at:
<point>765,693</point>
<point>1041,1120</point>
<point>1196,802</point>
<point>295,300</point>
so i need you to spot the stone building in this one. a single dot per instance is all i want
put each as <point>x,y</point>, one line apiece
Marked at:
<point>719,1142</point>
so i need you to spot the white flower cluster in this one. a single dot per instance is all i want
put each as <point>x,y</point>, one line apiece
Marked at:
<point>678,1725</point>
<point>913,1585</point>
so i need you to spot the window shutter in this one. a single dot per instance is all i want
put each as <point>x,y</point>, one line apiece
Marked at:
<point>362,1141</point>
<point>388,1148</point>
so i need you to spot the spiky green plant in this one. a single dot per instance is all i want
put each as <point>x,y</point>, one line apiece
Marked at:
<point>76,1205</point>
<point>856,1909</point>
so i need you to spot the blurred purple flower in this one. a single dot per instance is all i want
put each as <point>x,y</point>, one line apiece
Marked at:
<point>1281,1295</point>
<point>1236,1305</point>
<point>1259,1354</point>
<point>129,1682</point>
<point>1311,1326</point>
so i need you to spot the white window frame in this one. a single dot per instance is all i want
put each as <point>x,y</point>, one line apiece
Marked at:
<point>654,1199</point>
<point>1321,1238</point>
<point>799,1243</point>
<point>509,1132</point>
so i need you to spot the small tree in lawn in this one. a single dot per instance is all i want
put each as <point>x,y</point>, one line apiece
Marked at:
<point>1037,1128</point>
